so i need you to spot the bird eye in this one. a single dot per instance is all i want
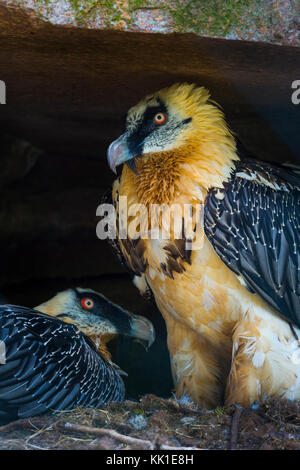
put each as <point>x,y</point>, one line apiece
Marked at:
<point>160,118</point>
<point>87,303</point>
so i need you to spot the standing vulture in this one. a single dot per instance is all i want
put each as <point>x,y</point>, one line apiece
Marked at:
<point>229,287</point>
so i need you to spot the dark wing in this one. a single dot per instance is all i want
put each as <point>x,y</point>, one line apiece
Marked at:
<point>47,364</point>
<point>254,226</point>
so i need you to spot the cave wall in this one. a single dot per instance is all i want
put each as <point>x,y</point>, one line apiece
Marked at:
<point>68,90</point>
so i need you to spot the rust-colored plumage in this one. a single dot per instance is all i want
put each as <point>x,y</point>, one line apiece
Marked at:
<point>227,341</point>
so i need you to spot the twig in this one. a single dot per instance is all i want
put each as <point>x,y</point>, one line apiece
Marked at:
<point>235,427</point>
<point>108,432</point>
<point>21,424</point>
<point>37,433</point>
<point>37,447</point>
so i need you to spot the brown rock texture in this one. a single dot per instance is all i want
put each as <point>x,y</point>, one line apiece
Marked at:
<point>274,21</point>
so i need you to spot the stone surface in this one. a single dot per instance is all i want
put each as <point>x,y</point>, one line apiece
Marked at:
<point>274,21</point>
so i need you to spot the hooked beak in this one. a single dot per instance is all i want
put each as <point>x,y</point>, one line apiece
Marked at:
<point>118,153</point>
<point>143,330</point>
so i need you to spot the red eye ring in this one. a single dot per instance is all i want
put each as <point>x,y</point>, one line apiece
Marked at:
<point>87,303</point>
<point>160,118</point>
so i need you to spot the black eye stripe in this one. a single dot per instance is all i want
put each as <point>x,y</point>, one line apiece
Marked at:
<point>151,112</point>
<point>182,123</point>
<point>146,127</point>
<point>186,121</point>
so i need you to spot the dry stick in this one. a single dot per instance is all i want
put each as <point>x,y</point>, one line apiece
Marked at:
<point>108,432</point>
<point>121,437</point>
<point>21,424</point>
<point>235,427</point>
<point>37,433</point>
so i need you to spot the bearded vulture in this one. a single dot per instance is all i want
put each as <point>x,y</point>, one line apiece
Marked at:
<point>48,365</point>
<point>229,287</point>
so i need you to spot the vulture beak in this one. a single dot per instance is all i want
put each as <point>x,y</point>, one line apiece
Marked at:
<point>118,153</point>
<point>109,318</point>
<point>143,330</point>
